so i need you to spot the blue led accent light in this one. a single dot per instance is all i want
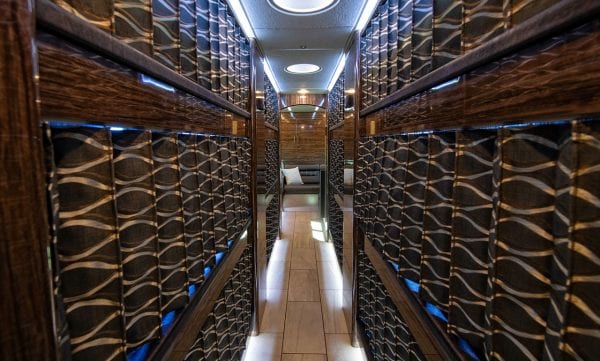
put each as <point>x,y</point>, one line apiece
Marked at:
<point>191,289</point>
<point>230,243</point>
<point>219,256</point>
<point>151,81</point>
<point>167,321</point>
<point>466,348</point>
<point>139,353</point>
<point>446,84</point>
<point>412,285</point>
<point>395,266</point>
<point>435,311</point>
<point>206,272</point>
<point>71,125</point>
<point>117,129</point>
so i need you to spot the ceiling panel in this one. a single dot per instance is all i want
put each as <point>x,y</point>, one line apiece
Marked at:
<point>318,39</point>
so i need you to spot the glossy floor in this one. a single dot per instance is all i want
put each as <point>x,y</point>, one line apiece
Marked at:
<point>303,319</point>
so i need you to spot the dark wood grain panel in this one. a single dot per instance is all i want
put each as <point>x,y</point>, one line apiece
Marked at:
<point>288,100</point>
<point>557,78</point>
<point>422,327</point>
<point>554,20</point>
<point>26,311</point>
<point>303,138</point>
<point>185,330</point>
<point>52,18</point>
<point>76,84</point>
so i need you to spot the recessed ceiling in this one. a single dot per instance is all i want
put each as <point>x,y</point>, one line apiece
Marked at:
<point>305,7</point>
<point>314,39</point>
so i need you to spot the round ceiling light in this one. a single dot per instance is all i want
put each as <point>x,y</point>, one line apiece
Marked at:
<point>303,69</point>
<point>303,7</point>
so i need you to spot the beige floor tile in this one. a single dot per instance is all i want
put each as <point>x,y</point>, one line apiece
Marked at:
<point>330,276</point>
<point>274,316</point>
<point>282,250</point>
<point>303,357</point>
<point>264,347</point>
<point>303,258</point>
<point>304,328</point>
<point>325,251</point>
<point>333,315</point>
<point>278,274</point>
<point>303,240</point>
<point>340,349</point>
<point>304,286</point>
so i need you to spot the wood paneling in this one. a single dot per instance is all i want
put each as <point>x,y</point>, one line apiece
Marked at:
<point>557,78</point>
<point>76,84</point>
<point>303,138</point>
<point>26,312</point>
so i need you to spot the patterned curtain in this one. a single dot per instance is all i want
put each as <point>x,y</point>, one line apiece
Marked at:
<point>133,212</point>
<point>138,234</point>
<point>169,215</point>
<point>494,233</point>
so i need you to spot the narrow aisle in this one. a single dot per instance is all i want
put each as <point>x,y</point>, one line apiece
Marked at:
<point>303,319</point>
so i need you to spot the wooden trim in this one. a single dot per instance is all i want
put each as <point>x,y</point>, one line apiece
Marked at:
<point>553,20</point>
<point>183,334</point>
<point>53,18</point>
<point>25,283</point>
<point>270,126</point>
<point>433,342</point>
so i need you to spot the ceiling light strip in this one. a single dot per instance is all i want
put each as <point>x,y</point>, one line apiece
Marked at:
<point>338,70</point>
<point>366,14</point>
<point>271,76</point>
<point>242,18</point>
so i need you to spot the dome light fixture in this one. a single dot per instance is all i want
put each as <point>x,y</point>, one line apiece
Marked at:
<point>303,69</point>
<point>304,7</point>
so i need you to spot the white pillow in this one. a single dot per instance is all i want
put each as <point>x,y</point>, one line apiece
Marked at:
<point>292,176</point>
<point>348,176</point>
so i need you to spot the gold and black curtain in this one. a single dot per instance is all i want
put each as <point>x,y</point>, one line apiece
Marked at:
<point>199,39</point>
<point>407,39</point>
<point>493,229</point>
<point>135,213</point>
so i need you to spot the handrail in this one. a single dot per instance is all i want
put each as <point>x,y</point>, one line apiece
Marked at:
<point>551,21</point>
<point>51,17</point>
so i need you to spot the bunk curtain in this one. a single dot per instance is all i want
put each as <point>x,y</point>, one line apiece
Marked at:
<point>129,211</point>
<point>496,228</point>
<point>223,334</point>
<point>407,39</point>
<point>199,39</point>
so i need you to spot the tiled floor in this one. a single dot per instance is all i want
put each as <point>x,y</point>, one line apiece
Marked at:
<point>303,319</point>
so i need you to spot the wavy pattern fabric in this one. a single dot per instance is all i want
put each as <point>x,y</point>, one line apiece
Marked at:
<point>335,104</point>
<point>483,20</point>
<point>190,196</point>
<point>472,203</point>
<point>392,48</point>
<point>187,39</point>
<point>133,23</point>
<point>497,226</point>
<point>169,215</point>
<point>422,34</point>
<point>447,27</point>
<point>437,220</point>
<point>220,217</point>
<point>200,39</point>
<point>136,211</point>
<point>397,171</point>
<point>165,18</point>
<point>383,49</point>
<point>62,328</point>
<point>413,208</point>
<point>88,246</point>
<point>405,26</point>
<point>388,335</point>
<point>223,335</point>
<point>129,208</point>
